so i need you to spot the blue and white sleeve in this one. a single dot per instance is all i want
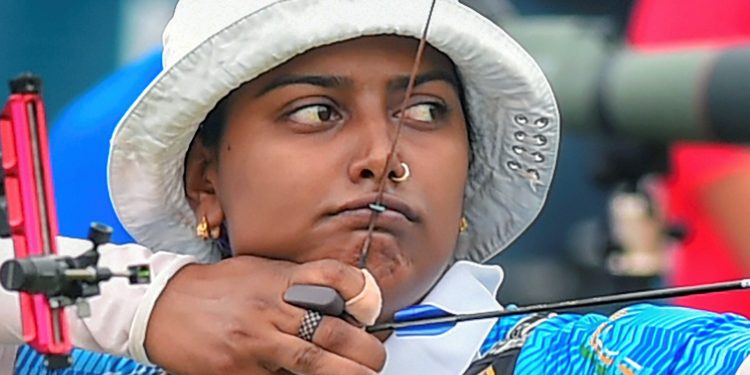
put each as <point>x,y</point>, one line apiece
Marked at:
<point>641,339</point>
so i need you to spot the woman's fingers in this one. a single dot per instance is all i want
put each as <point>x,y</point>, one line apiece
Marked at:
<point>341,338</point>
<point>306,358</point>
<point>334,335</point>
<point>338,337</point>
<point>346,279</point>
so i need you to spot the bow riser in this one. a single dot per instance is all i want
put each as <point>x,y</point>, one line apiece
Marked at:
<point>31,208</point>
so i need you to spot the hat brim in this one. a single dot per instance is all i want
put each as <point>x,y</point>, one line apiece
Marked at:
<point>510,104</point>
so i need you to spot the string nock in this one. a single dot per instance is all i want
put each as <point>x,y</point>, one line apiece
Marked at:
<point>377,207</point>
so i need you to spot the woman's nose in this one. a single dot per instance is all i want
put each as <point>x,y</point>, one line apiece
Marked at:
<point>377,158</point>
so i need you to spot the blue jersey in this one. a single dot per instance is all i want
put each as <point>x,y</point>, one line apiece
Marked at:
<point>641,339</point>
<point>30,362</point>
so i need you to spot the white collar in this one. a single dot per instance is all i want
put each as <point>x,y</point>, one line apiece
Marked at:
<point>466,287</point>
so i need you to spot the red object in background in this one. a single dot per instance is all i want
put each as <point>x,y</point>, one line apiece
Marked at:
<point>669,24</point>
<point>705,255</point>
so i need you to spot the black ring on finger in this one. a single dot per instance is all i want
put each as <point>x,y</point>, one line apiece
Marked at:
<point>310,323</point>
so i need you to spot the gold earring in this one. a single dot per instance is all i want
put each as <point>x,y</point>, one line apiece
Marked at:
<point>201,230</point>
<point>464,226</point>
<point>215,232</point>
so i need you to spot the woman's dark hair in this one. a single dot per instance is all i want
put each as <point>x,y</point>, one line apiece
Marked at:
<point>212,128</point>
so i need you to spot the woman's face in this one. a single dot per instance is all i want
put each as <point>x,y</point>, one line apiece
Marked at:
<point>305,145</point>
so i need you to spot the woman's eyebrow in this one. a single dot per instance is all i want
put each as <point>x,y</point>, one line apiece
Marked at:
<point>400,83</point>
<point>315,80</point>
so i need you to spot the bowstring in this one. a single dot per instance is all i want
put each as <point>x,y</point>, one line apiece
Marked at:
<point>384,175</point>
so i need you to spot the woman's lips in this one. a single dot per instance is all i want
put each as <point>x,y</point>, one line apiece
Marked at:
<point>360,219</point>
<point>391,203</point>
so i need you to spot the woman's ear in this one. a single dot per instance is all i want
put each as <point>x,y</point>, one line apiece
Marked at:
<point>201,177</point>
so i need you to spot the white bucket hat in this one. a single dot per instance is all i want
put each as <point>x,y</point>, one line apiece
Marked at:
<point>213,46</point>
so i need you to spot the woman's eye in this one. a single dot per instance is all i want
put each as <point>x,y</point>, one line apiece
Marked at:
<point>423,112</point>
<point>314,114</point>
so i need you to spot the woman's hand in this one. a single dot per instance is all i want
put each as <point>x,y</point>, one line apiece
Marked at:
<point>229,318</point>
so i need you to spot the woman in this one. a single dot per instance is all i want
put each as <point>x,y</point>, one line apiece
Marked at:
<point>418,235</point>
<point>267,137</point>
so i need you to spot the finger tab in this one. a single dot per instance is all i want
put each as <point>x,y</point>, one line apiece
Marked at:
<point>366,306</point>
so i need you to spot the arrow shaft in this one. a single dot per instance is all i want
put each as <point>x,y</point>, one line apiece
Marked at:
<point>567,305</point>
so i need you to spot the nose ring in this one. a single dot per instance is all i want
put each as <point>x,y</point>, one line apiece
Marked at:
<point>404,176</point>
